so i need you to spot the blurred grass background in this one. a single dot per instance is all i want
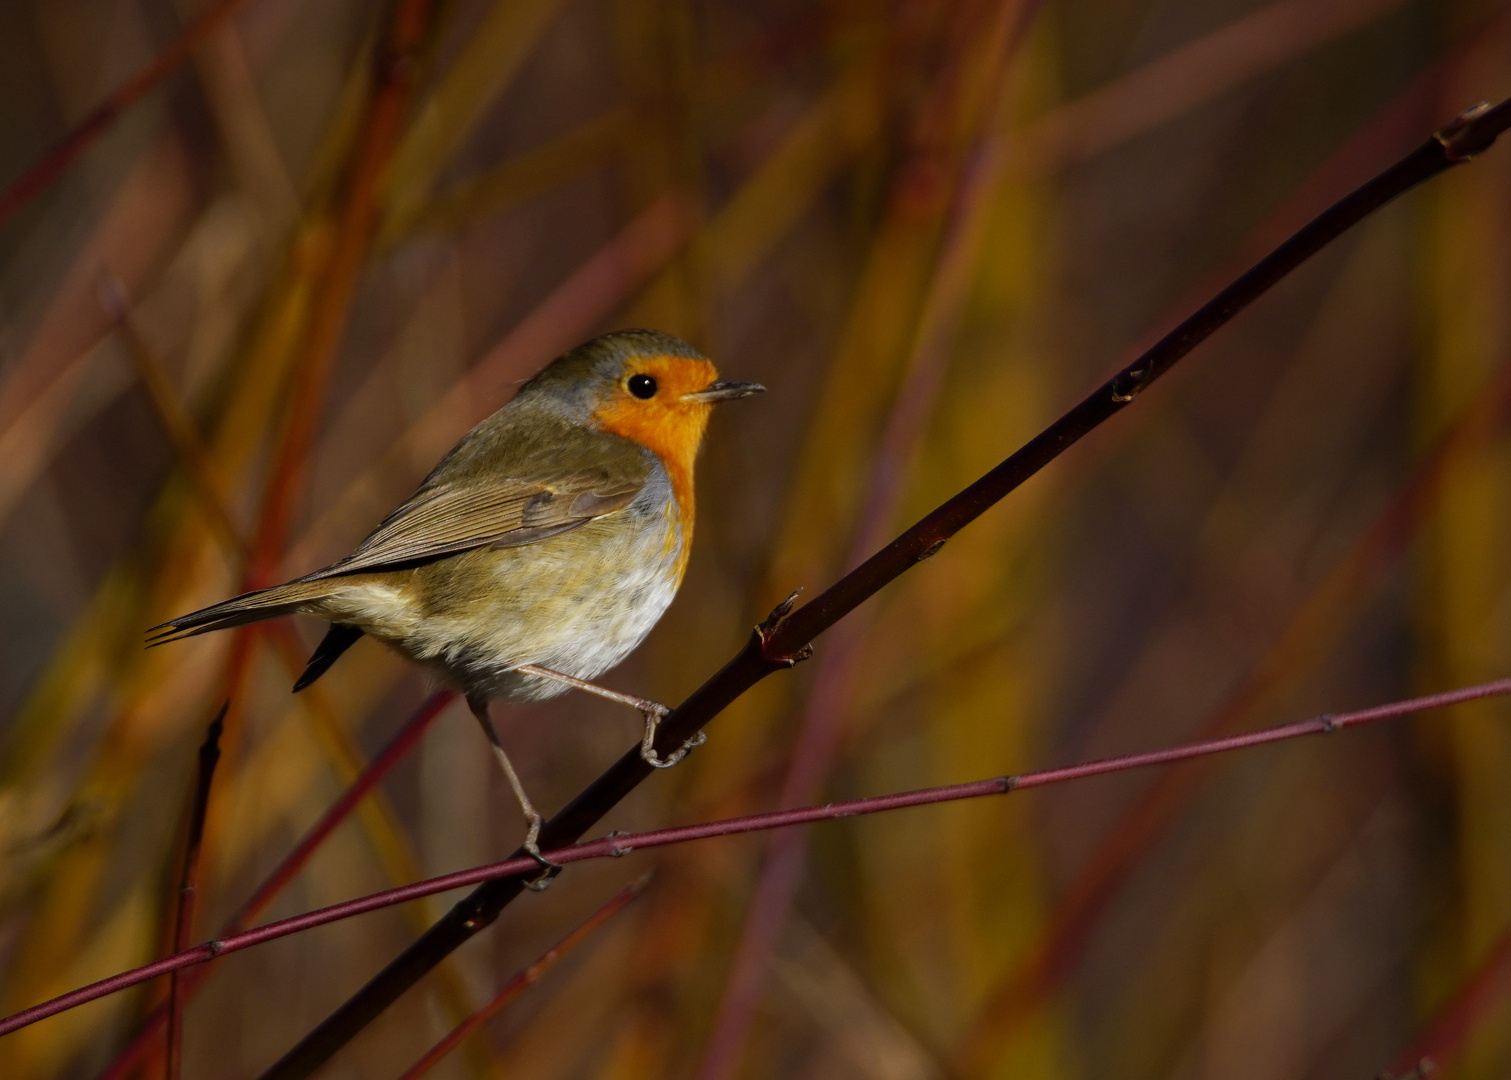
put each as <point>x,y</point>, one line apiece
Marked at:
<point>253,313</point>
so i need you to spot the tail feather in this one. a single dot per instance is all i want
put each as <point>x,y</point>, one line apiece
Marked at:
<point>238,611</point>
<point>337,640</point>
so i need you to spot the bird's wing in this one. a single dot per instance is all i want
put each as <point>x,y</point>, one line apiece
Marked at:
<point>442,519</point>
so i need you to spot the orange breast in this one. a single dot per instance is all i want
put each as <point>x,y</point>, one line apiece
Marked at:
<point>669,427</point>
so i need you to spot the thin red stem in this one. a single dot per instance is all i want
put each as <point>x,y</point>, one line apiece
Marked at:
<point>527,977</point>
<point>188,885</point>
<point>613,846</point>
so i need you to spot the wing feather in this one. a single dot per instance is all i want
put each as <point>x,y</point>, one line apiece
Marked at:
<point>445,520</point>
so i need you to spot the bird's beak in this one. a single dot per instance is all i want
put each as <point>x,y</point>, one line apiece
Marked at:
<point>724,390</point>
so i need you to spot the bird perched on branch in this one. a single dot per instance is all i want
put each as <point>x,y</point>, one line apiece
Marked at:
<point>540,551</point>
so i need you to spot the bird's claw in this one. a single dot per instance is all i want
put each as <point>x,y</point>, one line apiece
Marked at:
<point>654,714</point>
<point>532,848</point>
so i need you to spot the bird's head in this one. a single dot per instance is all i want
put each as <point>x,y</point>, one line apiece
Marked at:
<point>645,386</point>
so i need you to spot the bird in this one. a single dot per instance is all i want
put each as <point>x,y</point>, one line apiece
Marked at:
<point>539,552</point>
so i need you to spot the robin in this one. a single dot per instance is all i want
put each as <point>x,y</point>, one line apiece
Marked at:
<point>540,551</point>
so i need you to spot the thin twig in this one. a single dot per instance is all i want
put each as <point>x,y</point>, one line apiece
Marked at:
<point>783,639</point>
<point>99,119</point>
<point>527,977</point>
<point>615,845</point>
<point>188,886</point>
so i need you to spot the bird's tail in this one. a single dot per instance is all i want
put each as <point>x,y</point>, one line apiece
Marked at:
<point>239,610</point>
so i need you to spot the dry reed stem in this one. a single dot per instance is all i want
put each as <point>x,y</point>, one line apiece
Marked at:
<point>532,172</point>
<point>495,51</point>
<point>58,379</point>
<point>169,409</point>
<point>1160,91</point>
<point>617,845</point>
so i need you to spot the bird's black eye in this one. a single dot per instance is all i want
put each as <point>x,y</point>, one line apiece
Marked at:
<point>642,386</point>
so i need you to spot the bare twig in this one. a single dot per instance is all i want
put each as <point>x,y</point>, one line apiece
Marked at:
<point>521,867</point>
<point>188,885</point>
<point>527,977</point>
<point>783,639</point>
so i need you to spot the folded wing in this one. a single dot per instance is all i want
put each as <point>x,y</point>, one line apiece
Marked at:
<point>441,519</point>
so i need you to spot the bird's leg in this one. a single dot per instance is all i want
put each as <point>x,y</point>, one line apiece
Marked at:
<point>653,712</point>
<point>479,707</point>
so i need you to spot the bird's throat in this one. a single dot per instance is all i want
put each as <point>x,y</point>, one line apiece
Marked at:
<point>672,433</point>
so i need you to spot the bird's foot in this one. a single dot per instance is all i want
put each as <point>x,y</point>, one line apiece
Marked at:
<point>654,714</point>
<point>532,848</point>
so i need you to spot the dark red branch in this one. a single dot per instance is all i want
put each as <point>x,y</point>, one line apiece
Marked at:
<point>188,883</point>
<point>784,638</point>
<point>522,867</point>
